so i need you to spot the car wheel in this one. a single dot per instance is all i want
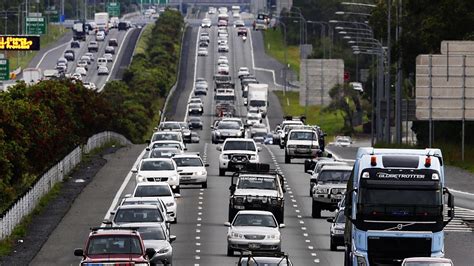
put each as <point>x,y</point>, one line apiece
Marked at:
<point>221,172</point>
<point>230,251</point>
<point>315,210</point>
<point>204,185</point>
<point>333,247</point>
<point>287,158</point>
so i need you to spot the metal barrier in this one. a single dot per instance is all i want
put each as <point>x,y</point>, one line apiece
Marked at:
<point>28,201</point>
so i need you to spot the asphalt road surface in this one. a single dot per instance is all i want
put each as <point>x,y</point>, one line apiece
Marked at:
<point>200,231</point>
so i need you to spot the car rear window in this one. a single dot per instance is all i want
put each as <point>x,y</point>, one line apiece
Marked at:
<point>114,245</point>
<point>152,191</point>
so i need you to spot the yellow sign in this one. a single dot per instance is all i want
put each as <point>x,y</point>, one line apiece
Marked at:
<point>24,43</point>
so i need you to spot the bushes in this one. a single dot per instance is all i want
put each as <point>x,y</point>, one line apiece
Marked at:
<point>148,79</point>
<point>40,124</point>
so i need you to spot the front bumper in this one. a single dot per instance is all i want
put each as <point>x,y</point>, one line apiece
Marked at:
<point>162,258</point>
<point>337,239</point>
<point>263,245</point>
<point>225,164</point>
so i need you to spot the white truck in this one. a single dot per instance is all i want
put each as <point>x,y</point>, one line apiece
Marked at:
<point>102,21</point>
<point>32,75</point>
<point>258,97</point>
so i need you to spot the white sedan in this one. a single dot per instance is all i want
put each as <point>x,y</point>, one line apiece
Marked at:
<point>243,71</point>
<point>158,170</point>
<point>254,230</point>
<point>102,70</point>
<point>193,170</point>
<point>202,51</point>
<point>109,57</point>
<point>81,70</point>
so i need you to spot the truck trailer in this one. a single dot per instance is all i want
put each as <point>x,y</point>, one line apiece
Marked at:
<point>257,97</point>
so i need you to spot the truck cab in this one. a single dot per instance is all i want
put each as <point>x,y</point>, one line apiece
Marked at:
<point>395,205</point>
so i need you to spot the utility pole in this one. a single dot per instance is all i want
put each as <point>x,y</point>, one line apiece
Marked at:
<point>398,92</point>
<point>388,83</point>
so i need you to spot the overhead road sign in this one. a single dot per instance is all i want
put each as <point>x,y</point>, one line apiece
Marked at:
<point>4,69</point>
<point>19,43</point>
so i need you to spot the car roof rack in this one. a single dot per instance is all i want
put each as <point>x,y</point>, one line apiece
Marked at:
<point>252,254</point>
<point>95,229</point>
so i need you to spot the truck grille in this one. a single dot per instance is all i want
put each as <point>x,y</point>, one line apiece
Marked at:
<point>389,250</point>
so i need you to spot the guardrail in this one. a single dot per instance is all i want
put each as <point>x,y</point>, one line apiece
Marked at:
<point>28,201</point>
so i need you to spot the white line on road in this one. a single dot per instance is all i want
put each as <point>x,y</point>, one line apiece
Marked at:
<point>49,51</point>
<point>122,187</point>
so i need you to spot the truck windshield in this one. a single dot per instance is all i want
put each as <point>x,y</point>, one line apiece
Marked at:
<point>400,197</point>
<point>257,103</point>
<point>334,176</point>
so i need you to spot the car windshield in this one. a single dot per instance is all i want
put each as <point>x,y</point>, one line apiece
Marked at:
<point>334,176</point>
<point>122,244</point>
<point>188,162</point>
<point>166,144</point>
<point>156,166</point>
<point>227,125</point>
<point>257,183</point>
<point>239,145</point>
<point>137,215</point>
<point>152,233</point>
<point>340,217</point>
<point>303,136</point>
<point>170,126</point>
<point>254,220</point>
<point>165,136</point>
<point>257,103</point>
<point>152,191</point>
<point>163,153</point>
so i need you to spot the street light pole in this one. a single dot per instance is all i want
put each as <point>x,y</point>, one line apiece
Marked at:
<point>388,83</point>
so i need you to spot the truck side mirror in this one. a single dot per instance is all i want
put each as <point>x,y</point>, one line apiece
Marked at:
<point>232,189</point>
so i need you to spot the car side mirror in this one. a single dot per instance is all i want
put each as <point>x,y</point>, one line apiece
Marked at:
<point>212,127</point>
<point>134,170</point>
<point>185,149</point>
<point>147,149</point>
<point>177,195</point>
<point>150,252</point>
<point>330,220</point>
<point>227,224</point>
<point>282,225</point>
<point>232,189</point>
<point>329,155</point>
<point>219,148</point>
<point>127,196</point>
<point>206,165</point>
<point>259,149</point>
<point>107,222</point>
<point>172,238</point>
<point>79,252</point>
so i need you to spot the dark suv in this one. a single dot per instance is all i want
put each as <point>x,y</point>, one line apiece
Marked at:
<point>112,245</point>
<point>257,188</point>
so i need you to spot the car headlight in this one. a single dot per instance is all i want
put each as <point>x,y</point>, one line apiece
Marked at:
<point>173,177</point>
<point>224,156</point>
<point>140,178</point>
<point>163,250</point>
<point>239,200</point>
<point>253,158</point>
<point>201,173</point>
<point>236,235</point>
<point>272,236</point>
<point>170,204</point>
<point>322,190</point>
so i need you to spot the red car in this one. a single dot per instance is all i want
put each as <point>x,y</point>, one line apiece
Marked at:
<point>242,31</point>
<point>117,245</point>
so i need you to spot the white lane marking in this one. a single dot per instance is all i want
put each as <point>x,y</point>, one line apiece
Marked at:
<point>310,247</point>
<point>115,60</point>
<point>49,51</point>
<point>307,241</point>
<point>198,237</point>
<point>194,75</point>
<point>198,251</point>
<point>198,244</point>
<point>259,68</point>
<point>460,192</point>
<point>122,187</point>
<point>198,231</point>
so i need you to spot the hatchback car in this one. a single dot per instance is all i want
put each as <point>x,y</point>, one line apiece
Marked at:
<point>93,47</point>
<point>109,57</point>
<point>253,230</point>
<point>75,44</point>
<point>113,42</point>
<point>70,55</point>
<point>195,123</point>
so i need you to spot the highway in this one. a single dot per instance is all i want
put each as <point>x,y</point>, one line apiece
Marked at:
<point>200,231</point>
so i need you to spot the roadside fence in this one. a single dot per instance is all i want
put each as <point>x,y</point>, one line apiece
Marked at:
<point>25,204</point>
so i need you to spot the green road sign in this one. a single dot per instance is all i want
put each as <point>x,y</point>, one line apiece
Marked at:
<point>113,9</point>
<point>53,15</point>
<point>4,69</point>
<point>35,25</point>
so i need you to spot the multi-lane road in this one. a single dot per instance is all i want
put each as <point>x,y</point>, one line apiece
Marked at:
<point>201,234</point>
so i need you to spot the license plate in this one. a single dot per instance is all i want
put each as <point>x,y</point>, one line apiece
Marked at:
<point>303,150</point>
<point>254,245</point>
<point>239,207</point>
<point>185,177</point>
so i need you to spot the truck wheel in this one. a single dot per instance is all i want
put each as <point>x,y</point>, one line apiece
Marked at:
<point>315,210</point>
<point>333,247</point>
<point>221,172</point>
<point>230,252</point>
<point>287,158</point>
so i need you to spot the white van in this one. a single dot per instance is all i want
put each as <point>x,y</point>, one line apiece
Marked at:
<point>101,61</point>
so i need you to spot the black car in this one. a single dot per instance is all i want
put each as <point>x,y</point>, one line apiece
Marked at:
<point>113,42</point>
<point>203,44</point>
<point>200,91</point>
<point>75,44</point>
<point>195,123</point>
<point>70,55</point>
<point>195,109</point>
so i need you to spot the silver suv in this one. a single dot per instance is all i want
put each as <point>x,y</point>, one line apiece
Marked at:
<point>330,188</point>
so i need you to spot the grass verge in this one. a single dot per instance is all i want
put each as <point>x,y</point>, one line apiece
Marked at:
<point>330,122</point>
<point>23,58</point>
<point>275,47</point>
<point>141,46</point>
